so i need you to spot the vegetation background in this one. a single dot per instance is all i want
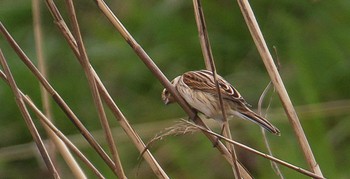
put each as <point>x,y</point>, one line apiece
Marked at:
<point>312,39</point>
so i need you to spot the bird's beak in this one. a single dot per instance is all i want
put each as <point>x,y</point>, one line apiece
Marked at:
<point>166,101</point>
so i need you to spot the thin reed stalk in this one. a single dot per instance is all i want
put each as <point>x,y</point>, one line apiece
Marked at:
<point>38,36</point>
<point>277,81</point>
<point>95,94</point>
<point>210,65</point>
<point>27,118</point>
<point>62,148</point>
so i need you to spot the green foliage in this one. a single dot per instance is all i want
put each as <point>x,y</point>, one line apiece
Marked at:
<point>312,39</point>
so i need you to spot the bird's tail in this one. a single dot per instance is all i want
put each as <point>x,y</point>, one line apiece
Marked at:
<point>252,116</point>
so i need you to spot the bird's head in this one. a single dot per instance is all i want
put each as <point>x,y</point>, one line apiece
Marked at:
<point>167,97</point>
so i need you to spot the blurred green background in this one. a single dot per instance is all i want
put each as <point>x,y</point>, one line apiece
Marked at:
<point>312,39</point>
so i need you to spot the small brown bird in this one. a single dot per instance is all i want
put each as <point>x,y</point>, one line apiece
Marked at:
<point>199,91</point>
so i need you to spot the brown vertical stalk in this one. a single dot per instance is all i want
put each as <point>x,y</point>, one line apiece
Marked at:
<point>210,65</point>
<point>96,96</point>
<point>38,35</point>
<point>41,61</point>
<point>202,33</point>
<point>30,124</point>
<point>67,156</point>
<point>260,43</point>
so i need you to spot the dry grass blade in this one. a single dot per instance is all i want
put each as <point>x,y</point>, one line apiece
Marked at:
<point>298,169</point>
<point>108,99</point>
<point>160,76</point>
<point>260,102</point>
<point>66,109</point>
<point>266,141</point>
<point>278,83</point>
<point>30,124</point>
<point>96,96</point>
<point>210,65</point>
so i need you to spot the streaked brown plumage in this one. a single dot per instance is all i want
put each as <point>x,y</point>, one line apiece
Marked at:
<point>199,91</point>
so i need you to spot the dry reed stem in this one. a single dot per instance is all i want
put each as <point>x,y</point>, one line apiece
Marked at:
<point>260,43</point>
<point>62,138</point>
<point>210,65</point>
<point>202,34</point>
<point>67,156</point>
<point>84,61</point>
<point>57,98</point>
<point>160,76</point>
<point>30,124</point>
<point>109,101</point>
<point>38,36</point>
<point>298,169</point>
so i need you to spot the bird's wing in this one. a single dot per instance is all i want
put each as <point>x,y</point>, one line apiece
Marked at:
<point>203,80</point>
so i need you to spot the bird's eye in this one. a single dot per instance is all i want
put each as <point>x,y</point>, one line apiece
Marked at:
<point>166,93</point>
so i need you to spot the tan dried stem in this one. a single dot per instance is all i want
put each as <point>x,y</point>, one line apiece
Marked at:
<point>95,94</point>
<point>210,65</point>
<point>67,156</point>
<point>30,124</point>
<point>38,36</point>
<point>260,43</point>
<point>57,98</point>
<point>107,98</point>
